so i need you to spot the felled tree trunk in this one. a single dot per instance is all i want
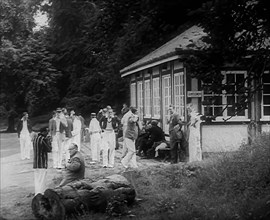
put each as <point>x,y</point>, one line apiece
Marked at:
<point>82,196</point>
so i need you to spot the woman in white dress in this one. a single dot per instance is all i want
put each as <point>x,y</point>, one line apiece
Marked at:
<point>194,138</point>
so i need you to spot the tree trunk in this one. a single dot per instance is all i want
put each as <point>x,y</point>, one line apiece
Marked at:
<point>11,124</point>
<point>83,196</point>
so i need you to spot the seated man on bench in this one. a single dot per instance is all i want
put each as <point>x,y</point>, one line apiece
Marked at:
<point>156,135</point>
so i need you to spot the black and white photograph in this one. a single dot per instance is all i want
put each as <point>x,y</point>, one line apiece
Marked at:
<point>144,109</point>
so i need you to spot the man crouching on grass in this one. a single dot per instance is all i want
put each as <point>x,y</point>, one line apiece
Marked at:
<point>75,167</point>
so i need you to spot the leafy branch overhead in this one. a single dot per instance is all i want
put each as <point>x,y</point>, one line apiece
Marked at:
<point>76,60</point>
<point>238,35</point>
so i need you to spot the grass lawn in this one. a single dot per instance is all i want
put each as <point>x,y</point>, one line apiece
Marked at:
<point>225,186</point>
<point>222,186</point>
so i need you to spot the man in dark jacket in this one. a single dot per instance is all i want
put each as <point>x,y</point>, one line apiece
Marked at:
<point>57,128</point>
<point>75,167</point>
<point>155,134</point>
<point>41,147</point>
<point>175,126</point>
<point>109,125</point>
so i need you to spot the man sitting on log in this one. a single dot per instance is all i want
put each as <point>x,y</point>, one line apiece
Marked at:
<point>75,167</point>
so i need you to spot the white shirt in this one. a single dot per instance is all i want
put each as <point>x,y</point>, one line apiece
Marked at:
<point>24,127</point>
<point>94,125</point>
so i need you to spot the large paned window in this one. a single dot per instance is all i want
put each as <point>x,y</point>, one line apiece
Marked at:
<point>133,94</point>
<point>228,104</point>
<point>156,98</point>
<point>147,98</point>
<point>140,99</point>
<point>179,95</point>
<point>166,97</point>
<point>211,102</point>
<point>236,93</point>
<point>266,95</point>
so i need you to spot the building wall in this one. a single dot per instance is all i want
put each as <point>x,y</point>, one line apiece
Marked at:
<point>168,83</point>
<point>223,137</point>
<point>265,128</point>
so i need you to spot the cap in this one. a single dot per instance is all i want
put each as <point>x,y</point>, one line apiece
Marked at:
<point>154,122</point>
<point>43,129</point>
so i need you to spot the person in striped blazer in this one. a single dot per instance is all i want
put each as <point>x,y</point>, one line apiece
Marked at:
<point>41,147</point>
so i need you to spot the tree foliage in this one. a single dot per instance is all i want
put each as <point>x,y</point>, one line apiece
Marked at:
<point>77,59</point>
<point>28,76</point>
<point>94,40</point>
<point>238,37</point>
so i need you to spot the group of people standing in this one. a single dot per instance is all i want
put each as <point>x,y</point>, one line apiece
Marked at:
<point>62,138</point>
<point>64,129</point>
<point>65,133</point>
<point>103,136</point>
<point>185,143</point>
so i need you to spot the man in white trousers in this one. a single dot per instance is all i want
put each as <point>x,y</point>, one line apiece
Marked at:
<point>76,131</point>
<point>24,130</point>
<point>104,148</point>
<point>129,160</point>
<point>68,135</point>
<point>95,138</point>
<point>109,124</point>
<point>52,133</point>
<point>124,122</point>
<point>57,127</point>
<point>41,147</point>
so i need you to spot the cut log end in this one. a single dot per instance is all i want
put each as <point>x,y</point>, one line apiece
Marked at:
<point>81,197</point>
<point>48,206</point>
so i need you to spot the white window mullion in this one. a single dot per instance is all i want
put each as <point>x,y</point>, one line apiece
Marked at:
<point>147,98</point>
<point>179,93</point>
<point>166,97</point>
<point>156,98</point>
<point>133,94</point>
<point>140,99</point>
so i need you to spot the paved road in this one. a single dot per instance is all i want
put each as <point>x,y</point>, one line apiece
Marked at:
<point>9,144</point>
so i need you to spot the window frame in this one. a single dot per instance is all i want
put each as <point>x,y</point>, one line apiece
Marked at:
<point>181,88</point>
<point>133,95</point>
<point>263,116</point>
<point>147,98</point>
<point>224,99</point>
<point>140,99</point>
<point>156,98</point>
<point>165,107</point>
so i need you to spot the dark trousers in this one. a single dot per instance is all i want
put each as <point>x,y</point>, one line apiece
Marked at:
<point>178,152</point>
<point>141,143</point>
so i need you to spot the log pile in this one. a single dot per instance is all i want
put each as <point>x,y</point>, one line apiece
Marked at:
<point>81,197</point>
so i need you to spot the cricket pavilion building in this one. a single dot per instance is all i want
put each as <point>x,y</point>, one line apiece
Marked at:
<point>161,78</point>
